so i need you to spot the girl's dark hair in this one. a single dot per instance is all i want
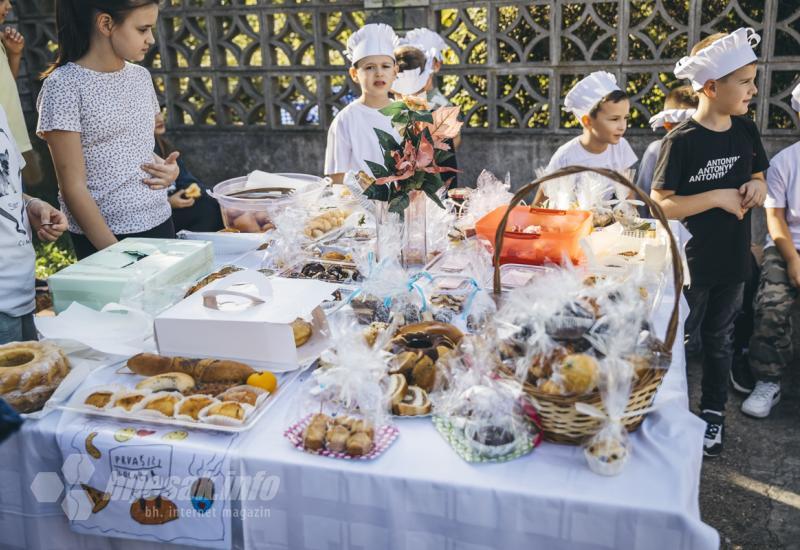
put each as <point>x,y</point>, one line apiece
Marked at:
<point>614,97</point>
<point>75,22</point>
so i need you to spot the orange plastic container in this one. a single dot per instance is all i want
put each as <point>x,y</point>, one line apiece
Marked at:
<point>559,236</point>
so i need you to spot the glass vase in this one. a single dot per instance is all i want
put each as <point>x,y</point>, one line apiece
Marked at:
<point>415,231</point>
<point>414,249</point>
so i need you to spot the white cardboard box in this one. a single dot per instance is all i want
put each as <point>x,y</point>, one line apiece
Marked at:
<point>259,335</point>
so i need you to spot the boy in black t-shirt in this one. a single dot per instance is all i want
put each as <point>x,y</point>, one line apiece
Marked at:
<point>710,173</point>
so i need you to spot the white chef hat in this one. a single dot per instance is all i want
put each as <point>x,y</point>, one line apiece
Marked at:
<point>796,98</point>
<point>412,81</point>
<point>721,57</point>
<point>425,40</point>
<point>372,39</point>
<point>673,116</point>
<point>588,92</point>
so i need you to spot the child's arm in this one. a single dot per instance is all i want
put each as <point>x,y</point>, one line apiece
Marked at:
<point>67,153</point>
<point>682,206</point>
<point>779,231</point>
<point>754,192</point>
<point>14,43</point>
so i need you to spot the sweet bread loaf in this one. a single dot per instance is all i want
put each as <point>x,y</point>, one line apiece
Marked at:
<point>202,370</point>
<point>29,373</point>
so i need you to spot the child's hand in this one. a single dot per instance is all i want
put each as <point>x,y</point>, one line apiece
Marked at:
<point>13,41</point>
<point>180,200</point>
<point>753,193</point>
<point>731,201</point>
<point>46,221</point>
<point>164,172</point>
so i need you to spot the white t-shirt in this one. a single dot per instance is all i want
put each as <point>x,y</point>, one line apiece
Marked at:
<point>619,156</point>
<point>17,258</point>
<point>115,116</point>
<point>352,139</point>
<point>783,189</point>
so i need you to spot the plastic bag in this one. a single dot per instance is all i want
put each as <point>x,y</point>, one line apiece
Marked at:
<point>341,410</point>
<point>289,239</point>
<point>555,331</point>
<point>481,415</point>
<point>439,222</point>
<point>608,450</point>
<point>463,298</point>
<point>489,194</point>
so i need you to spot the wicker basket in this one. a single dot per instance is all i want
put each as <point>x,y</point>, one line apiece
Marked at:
<point>561,422</point>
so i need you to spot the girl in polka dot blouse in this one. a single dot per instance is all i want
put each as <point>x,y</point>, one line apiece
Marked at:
<point>97,113</point>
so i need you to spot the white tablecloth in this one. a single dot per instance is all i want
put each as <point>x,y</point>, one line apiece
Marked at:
<point>420,494</point>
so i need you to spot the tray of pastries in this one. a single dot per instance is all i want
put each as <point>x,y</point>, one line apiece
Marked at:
<point>214,394</point>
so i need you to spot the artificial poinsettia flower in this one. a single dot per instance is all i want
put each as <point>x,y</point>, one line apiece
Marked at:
<point>445,126</point>
<point>404,164</point>
<point>416,103</point>
<point>426,160</point>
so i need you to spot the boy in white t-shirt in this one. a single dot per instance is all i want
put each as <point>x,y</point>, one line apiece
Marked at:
<point>771,347</point>
<point>18,214</point>
<point>351,137</point>
<point>603,110</point>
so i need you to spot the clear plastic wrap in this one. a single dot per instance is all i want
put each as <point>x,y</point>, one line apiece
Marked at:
<point>289,239</point>
<point>439,222</point>
<point>484,418</point>
<point>342,408</point>
<point>608,450</point>
<point>463,298</point>
<point>555,331</point>
<point>490,192</point>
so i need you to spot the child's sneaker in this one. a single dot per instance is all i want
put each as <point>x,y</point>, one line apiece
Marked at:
<point>712,442</point>
<point>765,396</point>
<point>742,378</point>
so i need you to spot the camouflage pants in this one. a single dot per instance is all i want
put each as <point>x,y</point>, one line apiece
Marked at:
<point>771,344</point>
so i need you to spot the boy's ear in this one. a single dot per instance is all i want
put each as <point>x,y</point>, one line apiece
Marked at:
<point>710,88</point>
<point>353,74</point>
<point>586,121</point>
<point>437,65</point>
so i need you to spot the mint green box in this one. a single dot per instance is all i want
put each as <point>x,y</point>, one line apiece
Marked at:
<point>148,274</point>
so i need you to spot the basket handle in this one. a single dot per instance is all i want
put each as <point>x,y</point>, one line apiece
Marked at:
<point>677,264</point>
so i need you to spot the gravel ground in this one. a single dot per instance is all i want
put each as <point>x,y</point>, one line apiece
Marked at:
<point>751,494</point>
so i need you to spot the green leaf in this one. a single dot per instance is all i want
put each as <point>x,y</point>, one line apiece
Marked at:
<point>399,204</point>
<point>387,141</point>
<point>377,192</point>
<point>393,109</point>
<point>431,189</point>
<point>442,156</point>
<point>377,170</point>
<point>422,116</point>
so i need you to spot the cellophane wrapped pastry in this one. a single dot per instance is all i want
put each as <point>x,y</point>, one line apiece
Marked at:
<point>289,240</point>
<point>490,193</point>
<point>608,450</point>
<point>554,331</point>
<point>464,299</point>
<point>387,286</point>
<point>484,417</point>
<point>341,411</point>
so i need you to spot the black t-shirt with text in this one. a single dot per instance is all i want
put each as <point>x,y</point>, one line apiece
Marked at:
<point>693,160</point>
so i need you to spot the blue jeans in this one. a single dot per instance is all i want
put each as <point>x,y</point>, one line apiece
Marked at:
<point>713,310</point>
<point>17,329</point>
